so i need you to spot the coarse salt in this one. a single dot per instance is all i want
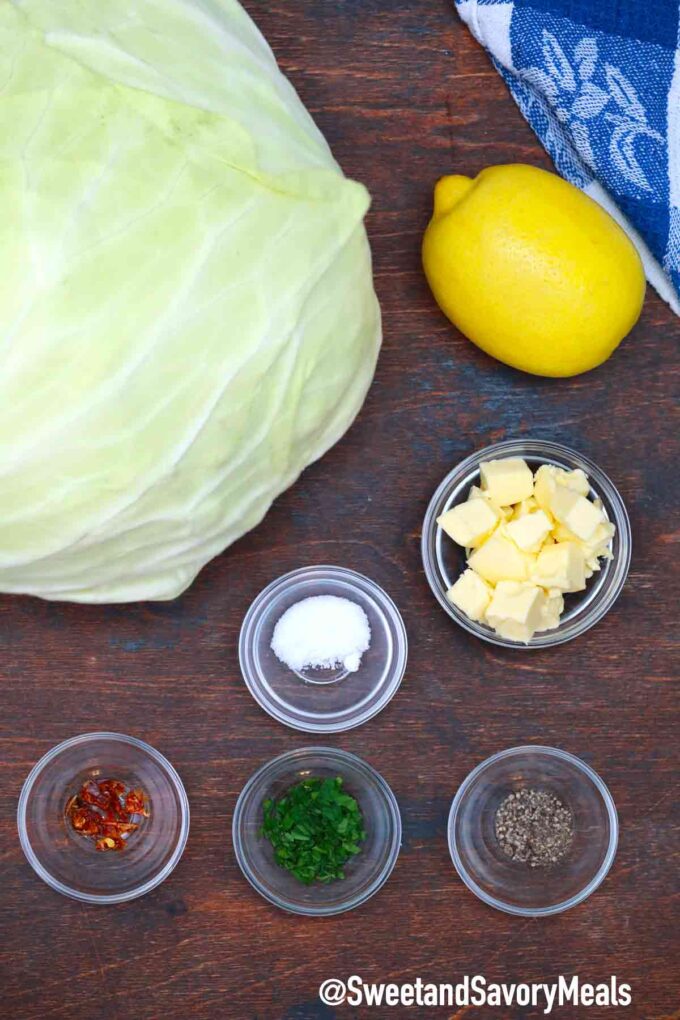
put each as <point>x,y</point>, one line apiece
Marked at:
<point>322,632</point>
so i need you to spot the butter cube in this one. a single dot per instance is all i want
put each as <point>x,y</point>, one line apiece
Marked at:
<point>516,610</point>
<point>562,534</point>
<point>563,494</point>
<point>576,512</point>
<point>548,476</point>
<point>576,480</point>
<point>530,531</point>
<point>562,566</point>
<point>499,559</point>
<point>599,545</point>
<point>470,523</point>
<point>524,507</point>
<point>507,480</point>
<point>552,611</point>
<point>544,486</point>
<point>477,493</point>
<point>471,594</point>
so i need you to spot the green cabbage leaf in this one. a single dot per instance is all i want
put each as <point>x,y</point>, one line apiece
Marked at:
<point>187,315</point>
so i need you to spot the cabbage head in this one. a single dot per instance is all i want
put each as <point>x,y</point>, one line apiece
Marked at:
<point>187,315</point>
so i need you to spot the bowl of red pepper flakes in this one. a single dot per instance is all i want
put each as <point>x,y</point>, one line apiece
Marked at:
<point>103,818</point>
<point>107,812</point>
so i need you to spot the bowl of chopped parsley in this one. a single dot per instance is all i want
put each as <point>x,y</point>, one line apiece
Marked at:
<point>317,831</point>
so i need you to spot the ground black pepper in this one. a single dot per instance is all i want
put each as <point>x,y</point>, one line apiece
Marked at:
<point>534,827</point>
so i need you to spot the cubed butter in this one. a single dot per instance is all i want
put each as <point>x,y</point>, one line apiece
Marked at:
<point>471,594</point>
<point>524,507</point>
<point>548,476</point>
<point>516,610</point>
<point>528,539</point>
<point>499,559</point>
<point>599,546</point>
<point>561,533</point>
<point>477,493</point>
<point>576,512</point>
<point>507,480</point>
<point>470,523</point>
<point>596,548</point>
<point>544,486</point>
<point>530,531</point>
<point>577,480</point>
<point>552,611</point>
<point>561,566</point>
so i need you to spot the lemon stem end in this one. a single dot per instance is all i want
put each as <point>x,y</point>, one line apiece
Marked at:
<point>449,191</point>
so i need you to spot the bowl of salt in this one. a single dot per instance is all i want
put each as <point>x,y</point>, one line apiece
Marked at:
<point>323,649</point>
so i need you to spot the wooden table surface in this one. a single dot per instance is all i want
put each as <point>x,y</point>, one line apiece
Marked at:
<point>404,95</point>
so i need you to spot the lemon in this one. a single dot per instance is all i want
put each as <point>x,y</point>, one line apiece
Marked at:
<point>532,270</point>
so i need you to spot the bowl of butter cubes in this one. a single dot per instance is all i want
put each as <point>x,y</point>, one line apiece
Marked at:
<point>526,544</point>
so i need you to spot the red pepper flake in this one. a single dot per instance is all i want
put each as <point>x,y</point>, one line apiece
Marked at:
<point>110,843</point>
<point>104,811</point>
<point>136,803</point>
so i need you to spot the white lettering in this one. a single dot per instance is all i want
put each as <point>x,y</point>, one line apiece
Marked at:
<point>354,996</point>
<point>523,995</point>
<point>568,991</point>
<point>478,997</point>
<point>431,998</point>
<point>463,992</point>
<point>603,995</point>
<point>587,995</point>
<point>493,996</point>
<point>550,991</point>
<point>477,991</point>
<point>447,995</point>
<point>407,995</point>
<point>373,995</point>
<point>508,994</point>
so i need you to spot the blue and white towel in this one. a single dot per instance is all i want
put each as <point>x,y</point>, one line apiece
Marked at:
<point>599,82</point>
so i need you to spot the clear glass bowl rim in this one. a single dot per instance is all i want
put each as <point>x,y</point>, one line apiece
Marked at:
<point>598,878</point>
<point>600,481</point>
<point>34,861</point>
<point>387,604</point>
<point>333,753</point>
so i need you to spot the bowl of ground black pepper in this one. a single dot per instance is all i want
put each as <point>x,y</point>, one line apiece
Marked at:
<point>533,831</point>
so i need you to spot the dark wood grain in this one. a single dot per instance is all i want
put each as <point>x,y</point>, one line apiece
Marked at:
<point>403,95</point>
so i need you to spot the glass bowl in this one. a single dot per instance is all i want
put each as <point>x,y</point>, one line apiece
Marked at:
<point>323,701</point>
<point>364,874</point>
<point>514,887</point>
<point>444,561</point>
<point>67,861</point>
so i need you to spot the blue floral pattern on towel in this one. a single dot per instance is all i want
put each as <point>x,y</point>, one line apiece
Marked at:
<point>599,82</point>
